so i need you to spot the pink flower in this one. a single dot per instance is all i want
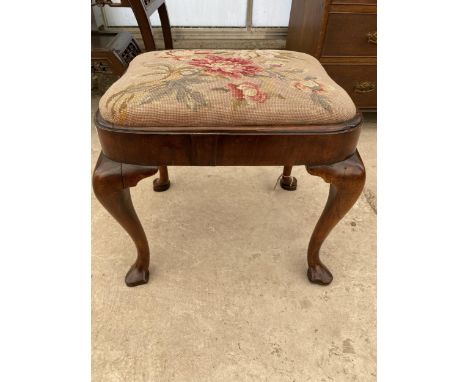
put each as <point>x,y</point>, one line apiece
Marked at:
<point>247,91</point>
<point>312,85</point>
<point>308,85</point>
<point>233,67</point>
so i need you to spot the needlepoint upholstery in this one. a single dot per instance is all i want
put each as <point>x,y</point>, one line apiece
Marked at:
<point>207,88</point>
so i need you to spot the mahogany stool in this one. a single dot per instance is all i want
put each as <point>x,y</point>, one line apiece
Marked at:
<point>227,108</point>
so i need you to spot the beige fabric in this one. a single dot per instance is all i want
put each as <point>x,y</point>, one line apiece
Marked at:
<point>225,88</point>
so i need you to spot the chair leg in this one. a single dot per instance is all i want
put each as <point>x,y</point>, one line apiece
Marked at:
<point>346,180</point>
<point>111,183</point>
<point>162,183</point>
<point>287,181</point>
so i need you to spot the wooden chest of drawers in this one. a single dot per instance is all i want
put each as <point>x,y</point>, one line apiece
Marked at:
<point>342,34</point>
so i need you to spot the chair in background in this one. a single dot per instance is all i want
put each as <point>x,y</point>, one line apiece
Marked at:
<point>112,53</point>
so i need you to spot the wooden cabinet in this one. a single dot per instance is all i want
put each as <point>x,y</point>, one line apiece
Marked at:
<point>342,34</point>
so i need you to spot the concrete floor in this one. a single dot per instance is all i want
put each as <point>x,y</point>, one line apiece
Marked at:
<point>228,297</point>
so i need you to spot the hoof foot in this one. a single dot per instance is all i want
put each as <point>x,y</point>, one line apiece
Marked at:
<point>319,274</point>
<point>160,187</point>
<point>136,277</point>
<point>288,183</point>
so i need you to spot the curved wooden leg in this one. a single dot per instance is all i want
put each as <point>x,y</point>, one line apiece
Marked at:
<point>287,181</point>
<point>346,180</point>
<point>111,182</point>
<point>162,183</point>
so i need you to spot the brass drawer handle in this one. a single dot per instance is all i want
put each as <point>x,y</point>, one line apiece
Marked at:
<point>364,87</point>
<point>372,37</point>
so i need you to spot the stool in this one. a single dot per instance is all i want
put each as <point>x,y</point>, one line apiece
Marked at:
<point>227,108</point>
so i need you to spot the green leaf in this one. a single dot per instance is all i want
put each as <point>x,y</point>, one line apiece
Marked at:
<point>198,100</point>
<point>277,95</point>
<point>221,89</point>
<point>321,100</point>
<point>237,104</point>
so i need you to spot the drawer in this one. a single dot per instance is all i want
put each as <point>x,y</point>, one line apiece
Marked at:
<point>360,81</point>
<point>354,1</point>
<point>351,34</point>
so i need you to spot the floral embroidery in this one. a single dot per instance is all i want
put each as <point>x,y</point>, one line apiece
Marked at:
<point>267,54</point>
<point>273,54</point>
<point>176,82</point>
<point>181,54</point>
<point>248,92</point>
<point>315,89</point>
<point>311,83</point>
<point>233,67</point>
<point>185,78</point>
<point>247,54</point>
<point>273,64</point>
<point>307,85</point>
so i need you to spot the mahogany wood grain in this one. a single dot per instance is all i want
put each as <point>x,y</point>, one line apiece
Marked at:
<point>346,180</point>
<point>111,182</point>
<point>349,60</point>
<point>350,77</point>
<point>294,145</point>
<point>129,157</point>
<point>353,8</point>
<point>338,32</point>
<point>327,151</point>
<point>307,26</point>
<point>354,1</point>
<point>347,35</point>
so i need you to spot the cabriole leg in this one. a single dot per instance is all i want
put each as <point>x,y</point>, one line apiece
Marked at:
<point>287,181</point>
<point>346,180</point>
<point>111,183</point>
<point>162,183</point>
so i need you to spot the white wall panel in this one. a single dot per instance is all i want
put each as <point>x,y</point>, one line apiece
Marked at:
<point>119,17</point>
<point>271,13</point>
<point>189,13</point>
